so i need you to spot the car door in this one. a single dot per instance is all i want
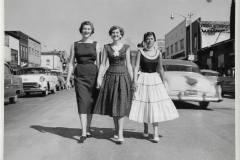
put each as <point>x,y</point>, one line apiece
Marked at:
<point>7,81</point>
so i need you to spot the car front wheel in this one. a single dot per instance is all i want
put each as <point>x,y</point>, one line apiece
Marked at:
<point>45,93</point>
<point>203,104</point>
<point>13,99</point>
<point>54,90</point>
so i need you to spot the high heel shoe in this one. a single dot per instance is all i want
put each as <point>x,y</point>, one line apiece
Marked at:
<point>115,136</point>
<point>89,135</point>
<point>156,139</point>
<point>82,139</point>
<point>145,135</point>
<point>120,140</point>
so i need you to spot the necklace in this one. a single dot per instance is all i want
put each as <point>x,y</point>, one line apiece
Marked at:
<point>151,49</point>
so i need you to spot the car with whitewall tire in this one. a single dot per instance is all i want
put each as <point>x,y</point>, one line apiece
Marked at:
<point>184,82</point>
<point>37,79</point>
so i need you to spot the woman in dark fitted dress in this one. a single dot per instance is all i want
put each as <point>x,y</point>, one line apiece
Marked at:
<point>86,52</point>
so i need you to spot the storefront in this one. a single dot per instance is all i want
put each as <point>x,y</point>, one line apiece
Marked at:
<point>218,55</point>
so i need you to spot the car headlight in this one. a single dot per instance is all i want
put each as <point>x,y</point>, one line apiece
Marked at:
<point>42,79</point>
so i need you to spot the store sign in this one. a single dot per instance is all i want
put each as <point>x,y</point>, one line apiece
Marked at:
<point>24,64</point>
<point>191,57</point>
<point>214,32</point>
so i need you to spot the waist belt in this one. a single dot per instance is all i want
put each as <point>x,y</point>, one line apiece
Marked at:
<point>149,71</point>
<point>86,62</point>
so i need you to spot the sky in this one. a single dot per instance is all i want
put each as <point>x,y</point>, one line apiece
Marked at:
<point>55,23</point>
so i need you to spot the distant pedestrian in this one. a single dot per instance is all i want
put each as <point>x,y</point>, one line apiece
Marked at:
<point>115,89</point>
<point>151,103</point>
<point>87,54</point>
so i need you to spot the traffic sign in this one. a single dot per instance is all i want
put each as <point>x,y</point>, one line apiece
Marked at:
<point>190,57</point>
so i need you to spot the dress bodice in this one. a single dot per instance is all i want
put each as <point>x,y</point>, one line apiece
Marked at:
<point>149,64</point>
<point>85,52</point>
<point>116,60</point>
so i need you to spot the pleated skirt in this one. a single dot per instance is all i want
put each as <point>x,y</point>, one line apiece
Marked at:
<point>115,95</point>
<point>151,102</point>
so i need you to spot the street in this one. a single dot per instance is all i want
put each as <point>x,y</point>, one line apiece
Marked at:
<point>48,128</point>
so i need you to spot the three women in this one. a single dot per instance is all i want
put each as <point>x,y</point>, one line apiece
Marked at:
<point>150,103</point>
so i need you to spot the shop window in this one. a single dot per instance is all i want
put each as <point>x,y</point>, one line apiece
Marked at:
<point>182,44</point>
<point>48,61</point>
<point>176,46</point>
<point>6,40</point>
<point>171,49</point>
<point>26,52</point>
<point>195,40</point>
<point>21,52</point>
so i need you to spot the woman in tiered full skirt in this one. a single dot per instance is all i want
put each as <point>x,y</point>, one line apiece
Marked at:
<point>151,103</point>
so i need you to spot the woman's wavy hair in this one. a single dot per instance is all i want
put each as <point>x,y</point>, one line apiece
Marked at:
<point>86,23</point>
<point>149,34</point>
<point>114,28</point>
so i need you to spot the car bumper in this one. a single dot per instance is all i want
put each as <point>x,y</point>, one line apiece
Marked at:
<point>196,98</point>
<point>35,89</point>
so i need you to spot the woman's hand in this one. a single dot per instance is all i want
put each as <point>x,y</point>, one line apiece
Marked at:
<point>99,83</point>
<point>67,85</point>
<point>134,86</point>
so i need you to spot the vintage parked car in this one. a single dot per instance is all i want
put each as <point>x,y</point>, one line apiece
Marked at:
<point>37,79</point>
<point>228,83</point>
<point>210,74</point>
<point>185,83</point>
<point>61,80</point>
<point>71,78</point>
<point>12,84</point>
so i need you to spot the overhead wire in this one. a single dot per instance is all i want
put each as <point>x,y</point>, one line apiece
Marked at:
<point>199,8</point>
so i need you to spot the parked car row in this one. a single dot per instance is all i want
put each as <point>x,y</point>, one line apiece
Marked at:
<point>227,83</point>
<point>31,79</point>
<point>184,82</point>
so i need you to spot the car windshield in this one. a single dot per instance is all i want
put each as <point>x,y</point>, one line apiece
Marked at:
<point>180,68</point>
<point>54,73</point>
<point>210,74</point>
<point>34,71</point>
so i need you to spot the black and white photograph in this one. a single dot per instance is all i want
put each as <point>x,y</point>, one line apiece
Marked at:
<point>120,80</point>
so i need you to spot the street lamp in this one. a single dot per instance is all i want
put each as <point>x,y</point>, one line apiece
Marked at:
<point>190,25</point>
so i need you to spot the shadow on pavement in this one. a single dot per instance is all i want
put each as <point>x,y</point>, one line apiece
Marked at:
<point>7,103</point>
<point>98,133</point>
<point>186,105</point>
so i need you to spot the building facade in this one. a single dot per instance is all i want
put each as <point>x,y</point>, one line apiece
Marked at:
<point>34,52</point>
<point>175,42</point>
<point>161,45</point>
<point>23,39</point>
<point>52,60</point>
<point>11,50</point>
<point>217,47</point>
